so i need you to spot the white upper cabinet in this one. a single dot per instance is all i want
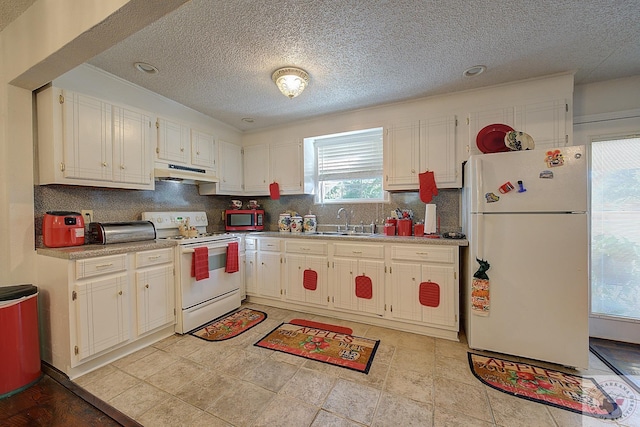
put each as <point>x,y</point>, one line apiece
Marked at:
<point>83,140</point>
<point>401,155</point>
<point>287,167</point>
<point>411,148</point>
<point>546,121</point>
<point>230,168</point>
<point>173,141</point>
<point>203,149</point>
<point>256,169</point>
<point>132,143</point>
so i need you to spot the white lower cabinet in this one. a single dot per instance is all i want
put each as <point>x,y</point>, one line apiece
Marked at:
<point>269,268</point>
<point>102,314</point>
<point>411,287</point>
<point>423,284</point>
<point>98,309</point>
<point>306,267</point>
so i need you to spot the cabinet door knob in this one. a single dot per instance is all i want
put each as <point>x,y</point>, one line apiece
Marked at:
<point>120,293</point>
<point>105,164</point>
<point>181,149</point>
<point>198,153</point>
<point>146,286</point>
<point>122,167</point>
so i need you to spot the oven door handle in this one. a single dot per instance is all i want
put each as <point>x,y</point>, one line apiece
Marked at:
<point>190,251</point>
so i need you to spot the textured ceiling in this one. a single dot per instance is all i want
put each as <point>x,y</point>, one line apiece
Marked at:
<point>11,9</point>
<point>217,57</point>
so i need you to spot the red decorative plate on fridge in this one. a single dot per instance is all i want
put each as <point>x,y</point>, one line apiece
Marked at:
<point>490,139</point>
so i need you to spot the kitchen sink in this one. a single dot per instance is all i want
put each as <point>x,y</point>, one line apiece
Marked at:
<point>343,233</point>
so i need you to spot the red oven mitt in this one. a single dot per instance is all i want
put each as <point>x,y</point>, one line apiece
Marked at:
<point>428,187</point>
<point>232,258</point>
<point>274,191</point>
<point>200,263</point>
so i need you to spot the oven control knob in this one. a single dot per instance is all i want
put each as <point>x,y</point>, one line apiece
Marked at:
<point>159,220</point>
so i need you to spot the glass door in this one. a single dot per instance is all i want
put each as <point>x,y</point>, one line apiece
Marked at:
<point>615,238</point>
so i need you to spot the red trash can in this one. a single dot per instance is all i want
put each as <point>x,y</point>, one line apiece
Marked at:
<point>19,339</point>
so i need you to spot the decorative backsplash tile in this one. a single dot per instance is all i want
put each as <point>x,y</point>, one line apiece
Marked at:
<point>111,205</point>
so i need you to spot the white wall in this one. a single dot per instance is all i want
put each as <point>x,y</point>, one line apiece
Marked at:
<point>612,96</point>
<point>48,39</point>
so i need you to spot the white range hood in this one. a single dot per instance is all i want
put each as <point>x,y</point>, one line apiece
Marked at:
<point>184,174</point>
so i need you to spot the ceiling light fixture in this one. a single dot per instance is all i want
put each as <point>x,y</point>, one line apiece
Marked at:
<point>291,81</point>
<point>474,71</point>
<point>145,68</point>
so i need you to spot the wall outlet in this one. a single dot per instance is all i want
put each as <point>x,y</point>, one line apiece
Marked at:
<point>87,215</point>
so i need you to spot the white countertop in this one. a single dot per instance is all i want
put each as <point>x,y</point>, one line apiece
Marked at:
<point>94,250</point>
<point>364,238</point>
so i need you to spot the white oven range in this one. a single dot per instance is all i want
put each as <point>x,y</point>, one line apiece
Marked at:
<point>198,302</point>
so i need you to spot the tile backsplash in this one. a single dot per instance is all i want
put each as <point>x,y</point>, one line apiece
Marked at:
<point>111,205</point>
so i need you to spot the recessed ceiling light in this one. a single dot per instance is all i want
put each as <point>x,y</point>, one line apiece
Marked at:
<point>247,119</point>
<point>145,68</point>
<point>474,71</point>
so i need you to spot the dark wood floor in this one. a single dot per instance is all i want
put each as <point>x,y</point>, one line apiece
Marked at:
<point>56,401</point>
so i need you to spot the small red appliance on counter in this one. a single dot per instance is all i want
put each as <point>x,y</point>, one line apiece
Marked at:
<point>61,228</point>
<point>244,220</point>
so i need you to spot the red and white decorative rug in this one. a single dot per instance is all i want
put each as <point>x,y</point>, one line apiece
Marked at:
<point>325,344</point>
<point>543,385</point>
<point>230,325</point>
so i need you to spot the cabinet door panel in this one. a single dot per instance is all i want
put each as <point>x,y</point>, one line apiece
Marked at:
<point>405,279</point>
<point>132,146</point>
<point>203,149</point>
<point>319,295</point>
<point>286,167</point>
<point>230,168</point>
<point>102,314</point>
<point>375,271</point>
<point>444,313</point>
<point>256,169</point>
<point>544,121</point>
<point>155,298</point>
<point>173,141</point>
<point>250,273</point>
<point>295,266</point>
<point>438,149</point>
<point>269,274</point>
<point>401,151</point>
<point>344,296</point>
<point>87,136</point>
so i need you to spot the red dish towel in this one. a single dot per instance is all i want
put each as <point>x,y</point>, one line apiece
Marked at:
<point>428,187</point>
<point>232,258</point>
<point>274,191</point>
<point>200,263</point>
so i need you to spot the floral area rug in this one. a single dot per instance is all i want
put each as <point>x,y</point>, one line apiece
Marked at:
<point>230,325</point>
<point>542,385</point>
<point>323,345</point>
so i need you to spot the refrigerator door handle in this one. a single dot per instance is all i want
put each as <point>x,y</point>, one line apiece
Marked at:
<point>477,168</point>
<point>479,227</point>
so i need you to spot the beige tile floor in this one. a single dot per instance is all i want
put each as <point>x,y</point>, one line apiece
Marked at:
<point>414,381</point>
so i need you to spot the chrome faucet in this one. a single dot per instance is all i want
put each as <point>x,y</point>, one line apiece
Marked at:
<point>346,218</point>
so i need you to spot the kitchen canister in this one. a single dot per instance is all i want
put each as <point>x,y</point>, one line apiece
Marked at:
<point>310,223</point>
<point>284,222</point>
<point>296,224</point>
<point>404,227</point>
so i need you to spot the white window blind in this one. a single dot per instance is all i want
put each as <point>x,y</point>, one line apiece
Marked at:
<point>349,166</point>
<point>356,155</point>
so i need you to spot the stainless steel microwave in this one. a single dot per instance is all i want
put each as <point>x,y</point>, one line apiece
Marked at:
<point>244,220</point>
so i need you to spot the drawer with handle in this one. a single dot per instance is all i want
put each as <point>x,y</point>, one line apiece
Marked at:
<point>102,265</point>
<point>430,253</point>
<point>272,245</point>
<point>158,256</point>
<point>358,250</point>
<point>306,248</point>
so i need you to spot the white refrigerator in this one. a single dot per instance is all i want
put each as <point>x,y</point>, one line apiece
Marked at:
<point>535,238</point>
